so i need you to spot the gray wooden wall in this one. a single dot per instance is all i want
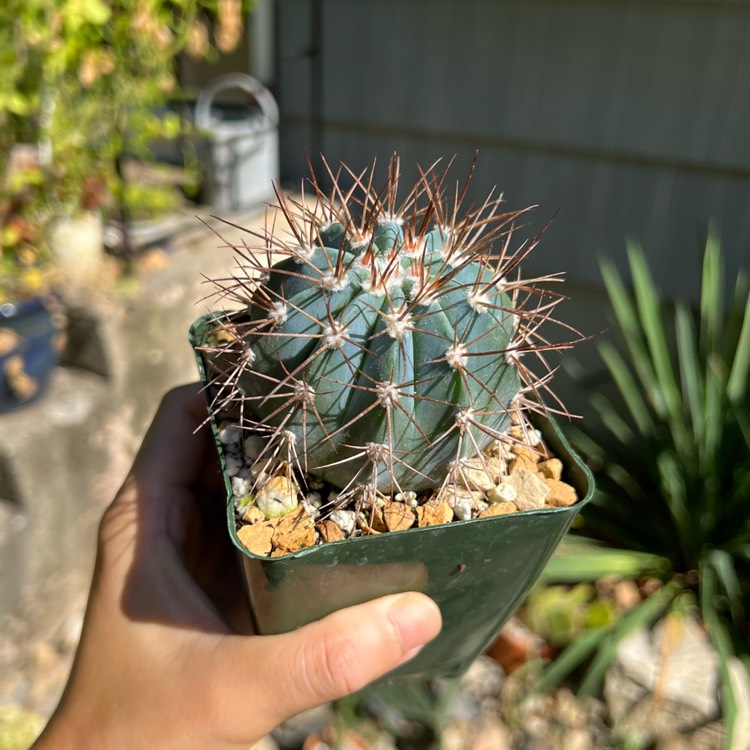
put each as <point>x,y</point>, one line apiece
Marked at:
<point>632,117</point>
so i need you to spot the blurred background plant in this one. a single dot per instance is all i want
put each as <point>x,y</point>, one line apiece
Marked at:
<point>146,201</point>
<point>83,91</point>
<point>25,265</point>
<point>671,453</point>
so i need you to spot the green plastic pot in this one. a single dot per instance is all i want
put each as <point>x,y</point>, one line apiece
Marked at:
<point>477,571</point>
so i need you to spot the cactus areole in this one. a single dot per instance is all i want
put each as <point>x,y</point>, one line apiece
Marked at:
<point>379,342</point>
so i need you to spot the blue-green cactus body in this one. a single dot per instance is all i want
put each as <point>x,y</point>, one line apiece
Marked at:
<point>414,363</point>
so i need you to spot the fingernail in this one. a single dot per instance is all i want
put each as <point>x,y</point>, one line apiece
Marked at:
<point>416,619</point>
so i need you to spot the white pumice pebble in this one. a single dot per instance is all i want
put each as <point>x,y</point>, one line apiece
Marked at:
<point>316,484</point>
<point>233,465</point>
<point>312,510</point>
<point>242,503</point>
<point>258,478</point>
<point>240,486</point>
<point>277,497</point>
<point>259,469</point>
<point>344,519</point>
<point>230,435</point>
<point>503,492</point>
<point>313,499</point>
<point>454,493</point>
<point>409,497</point>
<point>463,507</point>
<point>333,497</point>
<point>253,445</point>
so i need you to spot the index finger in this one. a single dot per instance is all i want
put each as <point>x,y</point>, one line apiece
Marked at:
<point>178,444</point>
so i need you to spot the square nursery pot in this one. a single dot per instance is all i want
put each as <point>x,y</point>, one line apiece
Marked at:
<point>478,571</point>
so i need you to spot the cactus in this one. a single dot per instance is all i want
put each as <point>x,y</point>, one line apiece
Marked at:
<point>379,343</point>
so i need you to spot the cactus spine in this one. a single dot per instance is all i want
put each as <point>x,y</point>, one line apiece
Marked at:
<point>380,342</point>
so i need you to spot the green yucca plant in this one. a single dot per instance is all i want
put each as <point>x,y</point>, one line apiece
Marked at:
<point>379,340</point>
<point>673,485</point>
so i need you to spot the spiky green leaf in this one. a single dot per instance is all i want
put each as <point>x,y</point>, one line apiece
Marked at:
<point>721,641</point>
<point>641,616</point>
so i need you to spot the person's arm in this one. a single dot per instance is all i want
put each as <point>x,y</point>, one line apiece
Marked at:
<point>164,659</point>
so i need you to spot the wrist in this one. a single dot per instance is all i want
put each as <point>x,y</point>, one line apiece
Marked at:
<point>62,734</point>
<point>55,737</point>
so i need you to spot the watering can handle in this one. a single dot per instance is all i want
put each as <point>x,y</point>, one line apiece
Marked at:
<point>241,81</point>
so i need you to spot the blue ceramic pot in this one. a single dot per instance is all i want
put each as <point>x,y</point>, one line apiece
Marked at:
<point>28,350</point>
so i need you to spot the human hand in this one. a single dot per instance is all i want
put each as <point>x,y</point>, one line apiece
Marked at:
<point>164,659</point>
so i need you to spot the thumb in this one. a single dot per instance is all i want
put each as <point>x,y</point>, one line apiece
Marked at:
<point>343,652</point>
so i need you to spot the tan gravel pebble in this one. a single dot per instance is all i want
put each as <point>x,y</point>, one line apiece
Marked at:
<point>499,509</point>
<point>329,531</point>
<point>398,516</point>
<point>491,734</point>
<point>551,468</point>
<point>480,475</point>
<point>500,449</point>
<point>433,513</point>
<point>504,492</point>
<point>371,521</point>
<point>522,462</point>
<point>523,451</point>
<point>626,594</point>
<point>486,733</point>
<point>519,432</point>
<point>254,515</point>
<point>561,495</point>
<point>294,531</point>
<point>516,473</point>
<point>257,538</point>
<point>531,491</point>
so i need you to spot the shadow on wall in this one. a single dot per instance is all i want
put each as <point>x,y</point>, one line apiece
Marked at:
<point>86,347</point>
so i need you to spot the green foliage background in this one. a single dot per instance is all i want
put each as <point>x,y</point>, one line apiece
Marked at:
<point>672,448</point>
<point>84,83</point>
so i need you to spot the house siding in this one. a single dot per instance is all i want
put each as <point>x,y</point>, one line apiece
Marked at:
<point>630,118</point>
